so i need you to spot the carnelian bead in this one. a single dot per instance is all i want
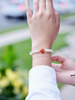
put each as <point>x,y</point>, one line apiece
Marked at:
<point>42,50</point>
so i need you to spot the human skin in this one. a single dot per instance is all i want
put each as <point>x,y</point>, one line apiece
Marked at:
<point>64,70</point>
<point>44,25</point>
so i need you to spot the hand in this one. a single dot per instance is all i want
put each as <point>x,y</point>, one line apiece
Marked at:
<point>44,23</point>
<point>64,70</point>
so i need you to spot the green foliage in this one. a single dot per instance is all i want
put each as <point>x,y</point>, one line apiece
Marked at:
<point>60,42</point>
<point>7,58</point>
<point>9,55</point>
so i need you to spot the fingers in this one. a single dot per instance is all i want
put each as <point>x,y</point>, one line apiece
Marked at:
<point>39,7</point>
<point>57,16</point>
<point>35,6</point>
<point>42,5</point>
<point>56,67</point>
<point>59,58</point>
<point>28,10</point>
<point>49,6</point>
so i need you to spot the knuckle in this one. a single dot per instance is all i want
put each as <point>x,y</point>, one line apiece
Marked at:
<point>49,0</point>
<point>40,14</point>
<point>57,26</point>
<point>34,17</point>
<point>29,21</point>
<point>26,4</point>
<point>58,14</point>
<point>27,8</point>
<point>49,15</point>
<point>42,0</point>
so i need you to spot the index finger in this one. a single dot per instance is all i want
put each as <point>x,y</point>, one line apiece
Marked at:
<point>59,58</point>
<point>28,10</point>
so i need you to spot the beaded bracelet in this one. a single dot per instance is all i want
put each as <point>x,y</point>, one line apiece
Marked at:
<point>41,51</point>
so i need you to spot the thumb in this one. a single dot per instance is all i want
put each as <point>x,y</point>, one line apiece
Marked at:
<point>59,58</point>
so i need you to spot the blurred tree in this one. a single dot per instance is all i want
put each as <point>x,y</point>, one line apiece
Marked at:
<point>7,58</point>
<point>9,55</point>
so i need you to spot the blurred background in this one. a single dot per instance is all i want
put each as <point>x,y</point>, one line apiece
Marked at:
<point>15,45</point>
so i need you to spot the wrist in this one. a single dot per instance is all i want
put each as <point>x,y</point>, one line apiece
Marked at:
<point>41,43</point>
<point>38,46</point>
